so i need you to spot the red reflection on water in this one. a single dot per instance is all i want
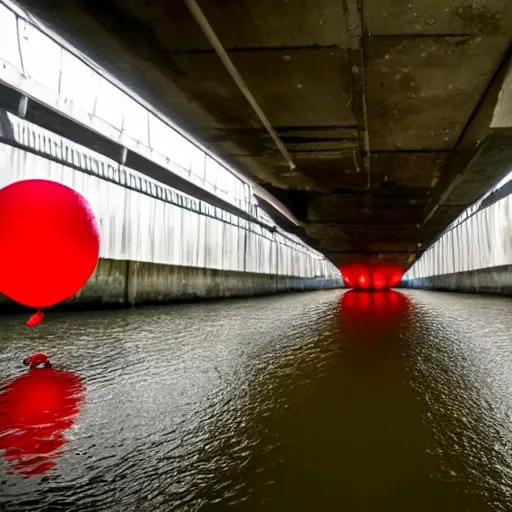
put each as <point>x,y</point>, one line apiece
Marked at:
<point>371,275</point>
<point>363,308</point>
<point>35,410</point>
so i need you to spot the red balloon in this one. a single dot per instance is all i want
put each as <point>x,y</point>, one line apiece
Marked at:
<point>49,242</point>
<point>35,319</point>
<point>35,410</point>
<point>371,275</point>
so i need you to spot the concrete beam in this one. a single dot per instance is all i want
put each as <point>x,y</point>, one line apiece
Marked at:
<point>502,115</point>
<point>482,157</point>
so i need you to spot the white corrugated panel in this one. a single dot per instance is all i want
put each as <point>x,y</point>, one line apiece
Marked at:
<point>482,240</point>
<point>10,57</point>
<point>138,227</point>
<point>78,87</point>
<point>41,60</point>
<point>35,63</point>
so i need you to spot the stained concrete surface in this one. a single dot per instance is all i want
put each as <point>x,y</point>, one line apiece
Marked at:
<point>131,283</point>
<point>485,280</point>
<point>420,78</point>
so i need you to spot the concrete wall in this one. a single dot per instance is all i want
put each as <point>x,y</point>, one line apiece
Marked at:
<point>130,283</point>
<point>484,280</point>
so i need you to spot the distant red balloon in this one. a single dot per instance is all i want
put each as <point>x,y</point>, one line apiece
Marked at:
<point>35,410</point>
<point>371,275</point>
<point>49,242</point>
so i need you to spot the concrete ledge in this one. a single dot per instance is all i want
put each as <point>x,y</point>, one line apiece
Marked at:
<point>117,283</point>
<point>485,280</point>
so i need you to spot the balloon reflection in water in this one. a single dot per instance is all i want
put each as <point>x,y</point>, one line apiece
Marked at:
<point>35,410</point>
<point>373,309</point>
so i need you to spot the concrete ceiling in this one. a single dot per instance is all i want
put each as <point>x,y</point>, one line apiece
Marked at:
<point>382,104</point>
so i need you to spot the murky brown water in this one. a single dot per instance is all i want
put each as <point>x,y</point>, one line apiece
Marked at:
<point>310,402</point>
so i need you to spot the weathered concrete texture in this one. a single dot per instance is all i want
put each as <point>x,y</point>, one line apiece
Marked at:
<point>485,280</point>
<point>107,285</point>
<point>502,116</point>
<point>129,283</point>
<point>419,91</point>
<point>457,17</point>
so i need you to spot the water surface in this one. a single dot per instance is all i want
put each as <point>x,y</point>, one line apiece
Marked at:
<point>318,401</point>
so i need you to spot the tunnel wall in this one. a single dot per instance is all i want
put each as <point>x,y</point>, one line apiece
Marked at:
<point>158,244</point>
<point>475,253</point>
<point>36,61</point>
<point>486,280</point>
<point>176,222</point>
<point>128,283</point>
<point>142,220</point>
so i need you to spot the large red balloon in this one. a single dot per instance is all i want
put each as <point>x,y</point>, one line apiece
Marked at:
<point>371,275</point>
<point>36,409</point>
<point>49,242</point>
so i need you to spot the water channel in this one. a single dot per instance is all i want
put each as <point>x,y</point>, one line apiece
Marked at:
<point>334,400</point>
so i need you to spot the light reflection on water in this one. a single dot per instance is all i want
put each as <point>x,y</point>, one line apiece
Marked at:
<point>319,401</point>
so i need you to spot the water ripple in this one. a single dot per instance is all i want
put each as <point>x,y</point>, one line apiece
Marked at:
<point>300,402</point>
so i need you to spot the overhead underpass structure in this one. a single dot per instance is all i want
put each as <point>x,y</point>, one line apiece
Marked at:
<point>385,108</point>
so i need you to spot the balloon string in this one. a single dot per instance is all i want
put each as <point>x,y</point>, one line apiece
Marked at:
<point>35,319</point>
